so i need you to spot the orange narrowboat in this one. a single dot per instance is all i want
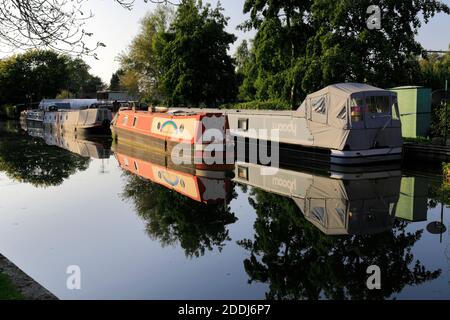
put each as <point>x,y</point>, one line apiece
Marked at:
<point>188,137</point>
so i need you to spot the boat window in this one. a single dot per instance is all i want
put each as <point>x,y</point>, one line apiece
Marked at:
<point>126,162</point>
<point>135,121</point>
<point>392,207</point>
<point>341,214</point>
<point>395,111</point>
<point>136,166</point>
<point>243,124</point>
<point>125,120</point>
<point>343,113</point>
<point>319,105</point>
<point>357,109</point>
<point>243,173</point>
<point>378,104</point>
<point>319,214</point>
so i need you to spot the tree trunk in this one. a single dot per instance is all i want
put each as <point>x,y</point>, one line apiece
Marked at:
<point>292,98</point>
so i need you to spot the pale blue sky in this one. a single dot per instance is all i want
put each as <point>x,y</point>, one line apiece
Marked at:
<point>116,27</point>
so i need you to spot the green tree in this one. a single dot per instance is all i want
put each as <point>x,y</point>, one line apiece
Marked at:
<point>38,74</point>
<point>141,61</point>
<point>32,76</point>
<point>246,71</point>
<point>434,70</point>
<point>114,83</point>
<point>196,66</point>
<point>79,80</point>
<point>302,46</point>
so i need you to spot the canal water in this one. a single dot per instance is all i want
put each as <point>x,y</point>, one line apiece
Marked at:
<point>139,228</point>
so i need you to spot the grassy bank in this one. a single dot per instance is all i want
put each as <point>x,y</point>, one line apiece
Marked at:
<point>7,289</point>
<point>16,284</point>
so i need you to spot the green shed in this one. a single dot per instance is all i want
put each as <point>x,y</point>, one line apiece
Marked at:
<point>415,109</point>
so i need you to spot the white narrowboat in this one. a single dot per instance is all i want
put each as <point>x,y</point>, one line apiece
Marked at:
<point>86,121</point>
<point>350,123</point>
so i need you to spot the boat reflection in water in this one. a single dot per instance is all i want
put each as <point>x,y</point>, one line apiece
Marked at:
<point>46,158</point>
<point>317,234</point>
<point>179,204</point>
<point>337,204</point>
<point>79,144</point>
<point>202,185</point>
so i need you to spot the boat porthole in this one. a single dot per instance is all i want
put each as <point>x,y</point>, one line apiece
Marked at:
<point>159,126</point>
<point>182,128</point>
<point>159,175</point>
<point>182,184</point>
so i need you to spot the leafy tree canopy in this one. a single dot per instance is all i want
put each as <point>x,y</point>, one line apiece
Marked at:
<point>195,63</point>
<point>140,65</point>
<point>38,74</point>
<point>302,46</point>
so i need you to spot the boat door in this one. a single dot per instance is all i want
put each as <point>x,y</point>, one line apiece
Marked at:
<point>377,110</point>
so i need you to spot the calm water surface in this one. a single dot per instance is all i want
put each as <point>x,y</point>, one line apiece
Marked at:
<point>140,228</point>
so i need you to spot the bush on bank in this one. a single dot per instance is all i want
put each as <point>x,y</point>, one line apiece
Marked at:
<point>9,111</point>
<point>274,104</point>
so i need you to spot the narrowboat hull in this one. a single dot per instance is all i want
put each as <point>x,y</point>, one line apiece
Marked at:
<point>366,156</point>
<point>184,137</point>
<point>86,121</point>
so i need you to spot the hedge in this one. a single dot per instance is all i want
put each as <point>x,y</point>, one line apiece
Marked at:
<point>265,105</point>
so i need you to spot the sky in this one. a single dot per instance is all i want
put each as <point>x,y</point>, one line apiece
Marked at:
<point>116,27</point>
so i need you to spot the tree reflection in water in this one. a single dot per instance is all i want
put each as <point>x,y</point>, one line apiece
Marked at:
<point>299,262</point>
<point>171,217</point>
<point>31,160</point>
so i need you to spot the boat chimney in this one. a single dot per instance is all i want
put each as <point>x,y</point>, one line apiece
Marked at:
<point>158,109</point>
